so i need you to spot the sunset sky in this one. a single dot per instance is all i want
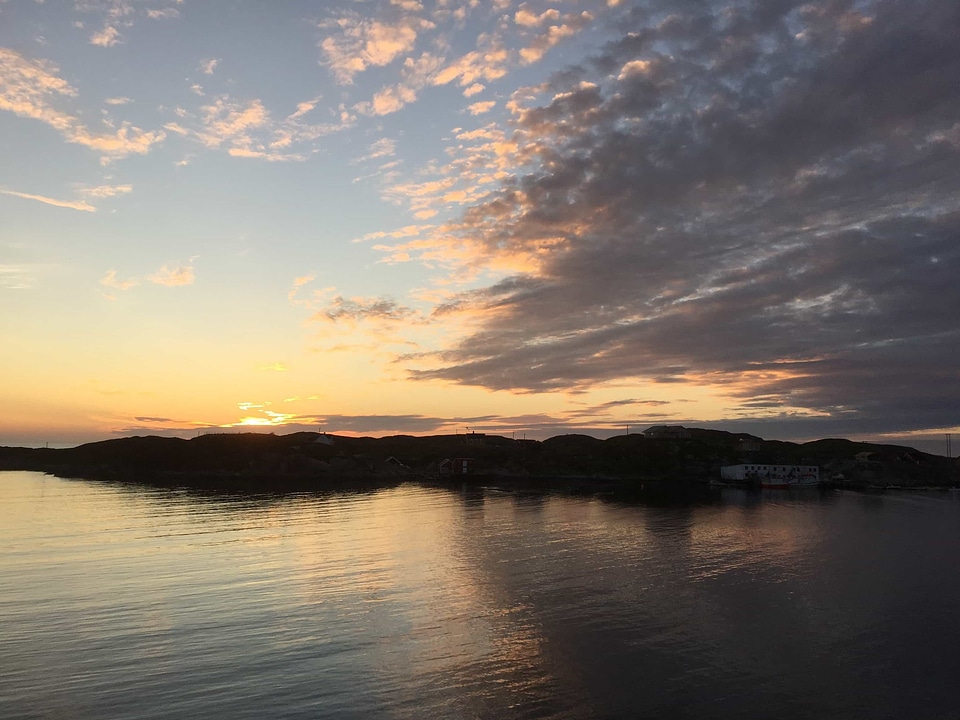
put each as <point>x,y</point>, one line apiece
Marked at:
<point>407,216</point>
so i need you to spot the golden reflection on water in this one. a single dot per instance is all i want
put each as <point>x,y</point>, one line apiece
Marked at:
<point>418,576</point>
<point>132,602</point>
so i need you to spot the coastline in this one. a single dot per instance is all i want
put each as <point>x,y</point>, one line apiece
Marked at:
<point>575,464</point>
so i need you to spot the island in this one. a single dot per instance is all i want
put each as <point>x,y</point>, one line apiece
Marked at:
<point>665,457</point>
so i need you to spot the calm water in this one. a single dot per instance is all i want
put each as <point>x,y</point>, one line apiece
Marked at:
<point>122,602</point>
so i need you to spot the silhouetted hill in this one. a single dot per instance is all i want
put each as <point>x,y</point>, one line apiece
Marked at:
<point>268,461</point>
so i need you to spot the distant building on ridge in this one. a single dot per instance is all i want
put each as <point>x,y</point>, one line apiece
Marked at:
<point>666,432</point>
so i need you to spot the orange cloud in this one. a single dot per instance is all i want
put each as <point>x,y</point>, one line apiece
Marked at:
<point>173,276</point>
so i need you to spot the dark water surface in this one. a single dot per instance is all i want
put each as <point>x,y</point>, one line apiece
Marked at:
<point>125,602</point>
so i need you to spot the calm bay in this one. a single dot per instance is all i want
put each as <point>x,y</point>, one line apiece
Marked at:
<point>122,601</point>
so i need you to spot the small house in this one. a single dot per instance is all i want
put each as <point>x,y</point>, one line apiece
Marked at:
<point>666,432</point>
<point>456,466</point>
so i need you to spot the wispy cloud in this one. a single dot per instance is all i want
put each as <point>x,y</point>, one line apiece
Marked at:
<point>110,280</point>
<point>116,14</point>
<point>69,204</point>
<point>15,277</point>
<point>104,191</point>
<point>33,89</point>
<point>384,147</point>
<point>247,129</point>
<point>167,13</point>
<point>361,309</point>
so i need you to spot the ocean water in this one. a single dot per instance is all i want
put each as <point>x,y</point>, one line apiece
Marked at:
<point>119,601</point>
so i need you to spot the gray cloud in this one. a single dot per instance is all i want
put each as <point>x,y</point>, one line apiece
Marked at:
<point>353,309</point>
<point>764,190</point>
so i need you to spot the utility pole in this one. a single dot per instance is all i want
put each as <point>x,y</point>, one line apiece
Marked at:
<point>949,449</point>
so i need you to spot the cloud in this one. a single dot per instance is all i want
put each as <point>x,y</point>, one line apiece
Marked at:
<point>304,107</point>
<point>110,280</point>
<point>479,108</point>
<point>375,423</point>
<point>69,204</point>
<point>209,65</point>
<point>760,201</point>
<point>15,277</point>
<point>107,37</point>
<point>384,147</point>
<point>359,43</point>
<point>388,101</point>
<point>244,128</point>
<point>117,14</point>
<point>104,191</point>
<point>163,14</point>
<point>525,17</point>
<point>33,89</point>
<point>362,309</point>
<point>274,367</point>
<point>487,64</point>
<point>553,34</point>
<point>173,275</point>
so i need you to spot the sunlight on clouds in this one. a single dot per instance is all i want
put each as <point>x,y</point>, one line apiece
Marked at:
<point>69,204</point>
<point>209,65</point>
<point>479,108</point>
<point>246,129</point>
<point>303,108</point>
<point>554,34</point>
<point>110,280</point>
<point>488,64</point>
<point>634,67</point>
<point>107,37</point>
<point>677,205</point>
<point>30,88</point>
<point>361,43</point>
<point>228,121</point>
<point>120,13</point>
<point>529,19</point>
<point>173,276</point>
<point>388,101</point>
<point>104,191</point>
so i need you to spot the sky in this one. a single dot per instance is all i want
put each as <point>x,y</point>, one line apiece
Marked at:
<point>524,218</point>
